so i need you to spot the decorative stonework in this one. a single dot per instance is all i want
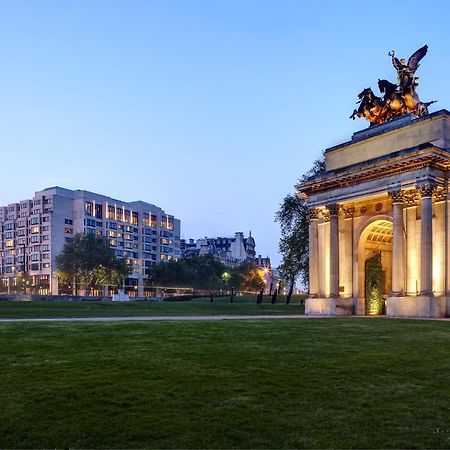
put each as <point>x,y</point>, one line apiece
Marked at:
<point>440,194</point>
<point>363,209</point>
<point>410,198</point>
<point>426,190</point>
<point>397,196</point>
<point>333,209</point>
<point>326,215</point>
<point>349,212</point>
<point>313,213</point>
<point>378,207</point>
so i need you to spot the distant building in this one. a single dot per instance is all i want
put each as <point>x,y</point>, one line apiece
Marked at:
<point>232,251</point>
<point>33,233</point>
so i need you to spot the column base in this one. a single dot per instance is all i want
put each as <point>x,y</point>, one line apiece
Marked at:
<point>420,306</point>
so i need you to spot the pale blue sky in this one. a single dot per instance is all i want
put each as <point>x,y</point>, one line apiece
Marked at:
<point>210,109</point>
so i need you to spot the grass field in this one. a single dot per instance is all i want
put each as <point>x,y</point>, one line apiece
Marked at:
<point>241,305</point>
<point>336,383</point>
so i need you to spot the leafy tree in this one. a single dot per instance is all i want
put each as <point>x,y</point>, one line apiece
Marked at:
<point>23,280</point>
<point>251,278</point>
<point>198,272</point>
<point>89,259</point>
<point>294,242</point>
<point>205,272</point>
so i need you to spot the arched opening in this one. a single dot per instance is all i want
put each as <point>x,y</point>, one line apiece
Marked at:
<point>375,265</point>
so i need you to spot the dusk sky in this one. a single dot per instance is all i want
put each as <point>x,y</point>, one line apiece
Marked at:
<point>210,109</point>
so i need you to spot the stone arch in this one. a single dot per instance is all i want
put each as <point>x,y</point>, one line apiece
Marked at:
<point>367,234</point>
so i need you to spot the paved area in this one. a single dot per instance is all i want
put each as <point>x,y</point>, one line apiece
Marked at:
<point>154,318</point>
<point>200,318</point>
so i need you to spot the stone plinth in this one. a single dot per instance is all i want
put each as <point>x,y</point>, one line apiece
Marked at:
<point>420,306</point>
<point>389,137</point>
<point>344,307</point>
<point>320,307</point>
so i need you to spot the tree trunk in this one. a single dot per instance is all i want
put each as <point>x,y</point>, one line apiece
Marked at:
<point>291,289</point>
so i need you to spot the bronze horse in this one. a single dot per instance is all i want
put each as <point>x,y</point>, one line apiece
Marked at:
<point>371,107</point>
<point>394,100</point>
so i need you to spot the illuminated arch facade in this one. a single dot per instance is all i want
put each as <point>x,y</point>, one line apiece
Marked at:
<point>385,191</point>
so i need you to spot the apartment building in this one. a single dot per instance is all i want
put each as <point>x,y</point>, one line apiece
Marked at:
<point>33,233</point>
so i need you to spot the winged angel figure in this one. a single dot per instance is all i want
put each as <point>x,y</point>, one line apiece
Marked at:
<point>398,99</point>
<point>406,71</point>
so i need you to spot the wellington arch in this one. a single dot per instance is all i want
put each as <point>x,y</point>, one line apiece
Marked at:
<point>380,222</point>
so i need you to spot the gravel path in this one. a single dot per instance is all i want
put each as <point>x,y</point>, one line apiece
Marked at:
<point>154,318</point>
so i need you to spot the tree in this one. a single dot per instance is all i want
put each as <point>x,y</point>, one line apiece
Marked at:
<point>198,272</point>
<point>294,242</point>
<point>251,278</point>
<point>89,259</point>
<point>206,272</point>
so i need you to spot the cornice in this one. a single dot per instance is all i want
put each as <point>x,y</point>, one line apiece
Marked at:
<point>428,157</point>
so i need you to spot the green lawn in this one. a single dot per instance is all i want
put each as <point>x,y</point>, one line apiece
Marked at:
<point>241,305</point>
<point>348,382</point>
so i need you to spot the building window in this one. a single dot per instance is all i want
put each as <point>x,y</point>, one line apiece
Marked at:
<point>68,230</point>
<point>68,221</point>
<point>98,211</point>
<point>89,208</point>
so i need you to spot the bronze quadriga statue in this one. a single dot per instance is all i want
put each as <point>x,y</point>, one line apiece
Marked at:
<point>398,99</point>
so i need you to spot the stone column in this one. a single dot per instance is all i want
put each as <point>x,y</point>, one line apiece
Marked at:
<point>410,203</point>
<point>346,251</point>
<point>314,252</point>
<point>334,250</point>
<point>426,247</point>
<point>439,242</point>
<point>398,258</point>
<point>447,232</point>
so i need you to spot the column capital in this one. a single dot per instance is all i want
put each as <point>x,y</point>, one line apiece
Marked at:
<point>313,214</point>
<point>333,209</point>
<point>397,196</point>
<point>349,212</point>
<point>410,198</point>
<point>426,189</point>
<point>440,194</point>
